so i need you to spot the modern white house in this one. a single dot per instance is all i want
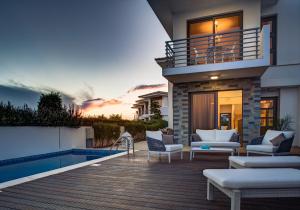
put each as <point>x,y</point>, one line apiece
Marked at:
<point>232,64</point>
<point>143,105</point>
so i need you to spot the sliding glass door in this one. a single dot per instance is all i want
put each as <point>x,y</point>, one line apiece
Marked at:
<point>216,110</point>
<point>204,48</point>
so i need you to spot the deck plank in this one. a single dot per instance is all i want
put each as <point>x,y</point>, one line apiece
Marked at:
<point>133,184</point>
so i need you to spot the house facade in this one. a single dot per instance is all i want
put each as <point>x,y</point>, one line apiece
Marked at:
<point>231,64</point>
<point>144,104</point>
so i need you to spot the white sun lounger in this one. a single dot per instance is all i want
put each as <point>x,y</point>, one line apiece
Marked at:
<point>264,162</point>
<point>253,183</point>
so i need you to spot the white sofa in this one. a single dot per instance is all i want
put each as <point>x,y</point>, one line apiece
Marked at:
<point>156,145</point>
<point>216,138</point>
<point>265,146</point>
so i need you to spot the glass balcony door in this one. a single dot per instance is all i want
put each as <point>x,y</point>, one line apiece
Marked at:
<point>206,47</point>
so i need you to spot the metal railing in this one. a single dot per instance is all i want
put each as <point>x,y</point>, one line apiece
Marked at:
<point>215,48</point>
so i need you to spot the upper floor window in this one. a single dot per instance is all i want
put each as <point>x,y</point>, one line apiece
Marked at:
<point>272,21</point>
<point>203,44</point>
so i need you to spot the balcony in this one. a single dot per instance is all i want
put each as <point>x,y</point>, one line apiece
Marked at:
<point>235,54</point>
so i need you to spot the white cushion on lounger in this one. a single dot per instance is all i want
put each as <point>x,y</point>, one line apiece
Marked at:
<point>271,134</point>
<point>154,135</point>
<point>224,135</point>
<point>254,178</point>
<point>215,144</point>
<point>268,162</point>
<point>207,135</point>
<point>173,147</point>
<point>262,148</point>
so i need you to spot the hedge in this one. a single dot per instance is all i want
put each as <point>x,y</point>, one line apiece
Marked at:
<point>105,133</point>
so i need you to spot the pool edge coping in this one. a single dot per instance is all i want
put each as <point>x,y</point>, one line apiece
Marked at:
<point>57,171</point>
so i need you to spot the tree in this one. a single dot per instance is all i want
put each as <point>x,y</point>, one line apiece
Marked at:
<point>51,110</point>
<point>155,110</point>
<point>115,117</point>
<point>50,102</point>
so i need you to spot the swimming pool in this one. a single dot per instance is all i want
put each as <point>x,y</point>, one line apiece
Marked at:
<point>27,166</point>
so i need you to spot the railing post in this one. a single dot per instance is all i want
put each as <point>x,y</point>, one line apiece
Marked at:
<point>256,44</point>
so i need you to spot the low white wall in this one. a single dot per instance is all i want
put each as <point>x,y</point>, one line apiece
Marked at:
<point>25,141</point>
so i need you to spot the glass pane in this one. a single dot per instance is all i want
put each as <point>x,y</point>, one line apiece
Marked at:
<point>227,42</point>
<point>199,46</point>
<point>230,110</point>
<point>266,104</point>
<point>270,113</point>
<point>263,113</point>
<point>203,111</point>
<point>227,24</point>
<point>262,122</point>
<point>270,122</point>
<point>201,28</point>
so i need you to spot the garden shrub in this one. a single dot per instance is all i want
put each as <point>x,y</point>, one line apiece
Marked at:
<point>105,133</point>
<point>50,112</point>
<point>137,129</point>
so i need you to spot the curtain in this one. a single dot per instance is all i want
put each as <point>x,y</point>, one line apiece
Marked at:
<point>202,111</point>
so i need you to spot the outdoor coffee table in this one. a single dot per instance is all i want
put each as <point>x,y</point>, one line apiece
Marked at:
<point>210,150</point>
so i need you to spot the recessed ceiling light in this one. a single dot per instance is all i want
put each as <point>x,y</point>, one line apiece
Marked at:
<point>214,77</point>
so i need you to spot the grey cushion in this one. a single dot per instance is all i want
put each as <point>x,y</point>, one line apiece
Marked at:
<point>195,137</point>
<point>262,148</point>
<point>167,139</point>
<point>278,139</point>
<point>255,178</point>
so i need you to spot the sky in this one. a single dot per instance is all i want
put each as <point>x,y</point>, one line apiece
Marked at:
<point>98,53</point>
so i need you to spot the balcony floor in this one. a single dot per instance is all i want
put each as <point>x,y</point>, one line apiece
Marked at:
<point>132,183</point>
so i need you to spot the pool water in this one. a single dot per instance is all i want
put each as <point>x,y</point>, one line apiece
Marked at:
<point>22,167</point>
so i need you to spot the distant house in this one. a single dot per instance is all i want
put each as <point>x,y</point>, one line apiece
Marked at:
<point>143,105</point>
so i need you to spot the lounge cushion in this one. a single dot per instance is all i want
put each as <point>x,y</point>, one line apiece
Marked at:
<point>254,178</point>
<point>224,135</point>
<point>173,147</point>
<point>278,139</point>
<point>271,134</point>
<point>167,139</point>
<point>262,148</point>
<point>216,144</point>
<point>154,135</point>
<point>266,162</point>
<point>207,135</point>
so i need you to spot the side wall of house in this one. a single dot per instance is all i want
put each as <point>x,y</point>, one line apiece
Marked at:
<point>251,105</point>
<point>288,30</point>
<point>289,105</point>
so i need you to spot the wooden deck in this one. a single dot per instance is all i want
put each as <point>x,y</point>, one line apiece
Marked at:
<point>133,183</point>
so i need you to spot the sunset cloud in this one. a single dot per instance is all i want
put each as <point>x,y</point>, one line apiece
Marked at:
<point>146,87</point>
<point>90,105</point>
<point>19,94</point>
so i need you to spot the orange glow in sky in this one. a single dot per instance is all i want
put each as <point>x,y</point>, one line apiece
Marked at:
<point>121,105</point>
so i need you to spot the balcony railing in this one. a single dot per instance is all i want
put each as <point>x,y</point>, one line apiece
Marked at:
<point>216,48</point>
